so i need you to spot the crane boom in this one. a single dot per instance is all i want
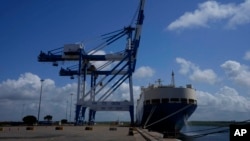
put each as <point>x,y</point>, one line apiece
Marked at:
<point>116,69</point>
<point>137,37</point>
<point>139,23</point>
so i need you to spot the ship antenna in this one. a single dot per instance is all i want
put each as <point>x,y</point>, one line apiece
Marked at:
<point>172,80</point>
<point>159,82</point>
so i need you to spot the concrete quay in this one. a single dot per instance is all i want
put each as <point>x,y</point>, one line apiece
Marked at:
<point>153,136</point>
<point>74,133</point>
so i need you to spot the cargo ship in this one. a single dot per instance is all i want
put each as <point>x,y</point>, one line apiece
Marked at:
<point>165,108</point>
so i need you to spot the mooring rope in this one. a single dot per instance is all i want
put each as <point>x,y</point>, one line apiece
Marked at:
<point>151,113</point>
<point>169,115</point>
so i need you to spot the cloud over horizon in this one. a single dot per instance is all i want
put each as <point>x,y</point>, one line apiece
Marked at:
<point>195,73</point>
<point>227,103</point>
<point>237,72</point>
<point>20,97</point>
<point>144,72</point>
<point>222,105</point>
<point>213,12</point>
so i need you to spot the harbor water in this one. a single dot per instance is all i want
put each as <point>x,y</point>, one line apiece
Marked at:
<point>205,133</point>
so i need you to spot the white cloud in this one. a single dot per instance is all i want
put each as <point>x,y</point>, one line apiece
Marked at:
<point>223,105</point>
<point>28,83</point>
<point>206,75</point>
<point>20,97</point>
<point>247,56</point>
<point>144,72</point>
<point>124,93</point>
<point>237,72</point>
<point>195,73</point>
<point>185,65</point>
<point>231,100</point>
<point>241,15</point>
<point>213,11</point>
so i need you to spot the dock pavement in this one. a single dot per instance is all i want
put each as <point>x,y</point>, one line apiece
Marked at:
<point>76,133</point>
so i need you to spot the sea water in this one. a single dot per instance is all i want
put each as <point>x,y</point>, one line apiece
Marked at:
<point>205,133</point>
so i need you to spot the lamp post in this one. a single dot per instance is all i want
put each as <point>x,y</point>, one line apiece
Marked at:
<point>22,113</point>
<point>70,107</point>
<point>67,110</point>
<point>40,98</point>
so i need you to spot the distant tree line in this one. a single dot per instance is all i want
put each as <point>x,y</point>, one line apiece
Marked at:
<point>31,120</point>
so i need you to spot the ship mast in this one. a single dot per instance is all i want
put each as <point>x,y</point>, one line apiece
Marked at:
<point>172,80</point>
<point>159,82</point>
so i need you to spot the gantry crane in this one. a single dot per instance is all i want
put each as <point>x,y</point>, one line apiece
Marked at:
<point>104,79</point>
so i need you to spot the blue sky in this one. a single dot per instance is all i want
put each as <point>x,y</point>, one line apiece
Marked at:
<point>205,42</point>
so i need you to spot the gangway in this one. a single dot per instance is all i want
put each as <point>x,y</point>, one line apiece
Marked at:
<point>104,80</point>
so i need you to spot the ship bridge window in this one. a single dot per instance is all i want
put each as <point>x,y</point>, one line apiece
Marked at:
<point>155,101</point>
<point>165,100</point>
<point>192,101</point>
<point>147,102</point>
<point>174,99</point>
<point>183,100</point>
